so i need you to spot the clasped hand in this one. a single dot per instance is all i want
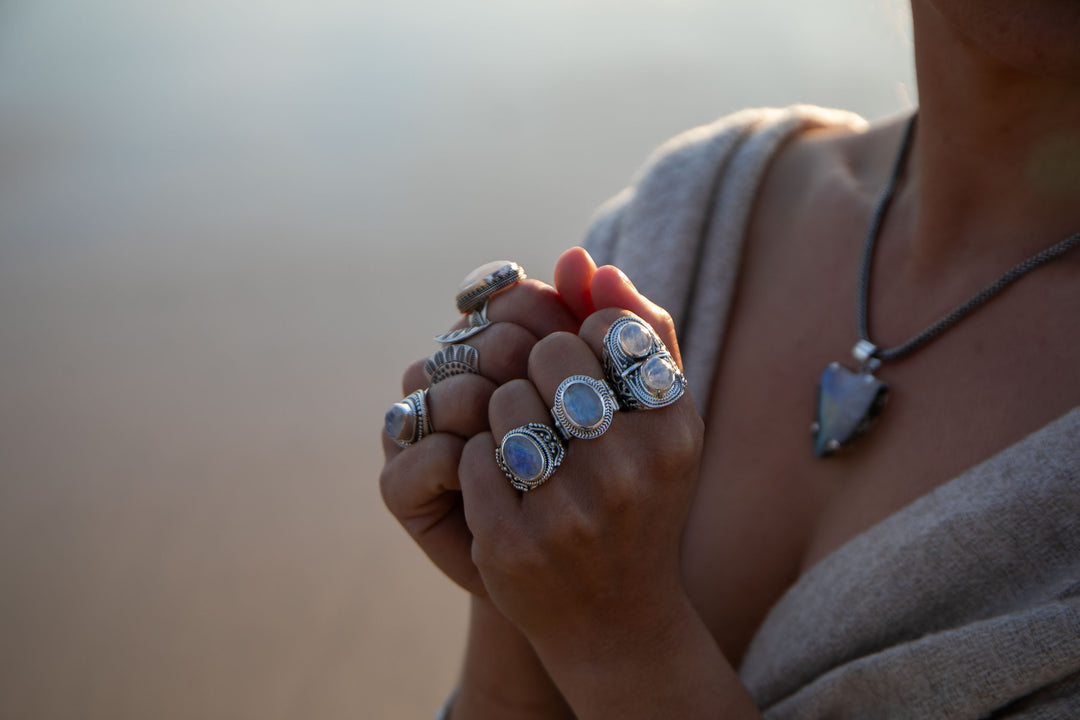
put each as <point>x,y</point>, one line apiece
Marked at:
<point>590,558</point>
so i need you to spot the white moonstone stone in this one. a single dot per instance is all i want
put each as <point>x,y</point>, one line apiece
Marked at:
<point>634,339</point>
<point>658,375</point>
<point>480,273</point>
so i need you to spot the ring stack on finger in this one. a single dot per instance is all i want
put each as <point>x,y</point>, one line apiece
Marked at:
<point>409,420</point>
<point>451,360</point>
<point>584,407</point>
<point>529,455</point>
<point>639,368</point>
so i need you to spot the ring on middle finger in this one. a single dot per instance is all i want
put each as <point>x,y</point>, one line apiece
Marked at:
<point>639,368</point>
<point>584,407</point>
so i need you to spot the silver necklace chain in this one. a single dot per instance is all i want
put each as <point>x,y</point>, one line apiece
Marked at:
<point>960,311</point>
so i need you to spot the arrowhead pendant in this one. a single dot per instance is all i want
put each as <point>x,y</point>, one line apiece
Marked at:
<point>847,405</point>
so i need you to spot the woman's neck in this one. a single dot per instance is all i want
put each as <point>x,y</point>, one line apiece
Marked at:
<point>996,157</point>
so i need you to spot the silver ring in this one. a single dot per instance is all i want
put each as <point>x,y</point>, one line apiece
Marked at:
<point>584,407</point>
<point>451,360</point>
<point>485,281</point>
<point>409,420</point>
<point>639,368</point>
<point>477,321</point>
<point>529,455</point>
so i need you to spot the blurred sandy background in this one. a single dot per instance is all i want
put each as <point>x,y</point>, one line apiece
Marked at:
<point>225,228</point>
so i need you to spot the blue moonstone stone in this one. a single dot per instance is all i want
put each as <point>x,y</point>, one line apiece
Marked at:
<point>524,458</point>
<point>583,405</point>
<point>395,419</point>
<point>658,375</point>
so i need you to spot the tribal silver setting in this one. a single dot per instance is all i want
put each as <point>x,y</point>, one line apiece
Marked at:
<point>409,420</point>
<point>639,368</point>
<point>584,407</point>
<point>529,455</point>
<point>477,321</point>
<point>451,360</point>
<point>486,281</point>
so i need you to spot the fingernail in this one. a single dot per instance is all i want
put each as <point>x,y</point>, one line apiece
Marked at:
<point>625,279</point>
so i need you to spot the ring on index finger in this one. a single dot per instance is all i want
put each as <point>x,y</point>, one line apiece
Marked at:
<point>639,367</point>
<point>529,455</point>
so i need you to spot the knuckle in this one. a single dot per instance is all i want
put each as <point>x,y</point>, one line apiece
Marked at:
<point>504,351</point>
<point>551,349</point>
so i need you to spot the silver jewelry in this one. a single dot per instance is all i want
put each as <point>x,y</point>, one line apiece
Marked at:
<point>409,420</point>
<point>477,321</point>
<point>485,281</point>
<point>529,455</point>
<point>849,401</point>
<point>451,360</point>
<point>639,368</point>
<point>584,407</point>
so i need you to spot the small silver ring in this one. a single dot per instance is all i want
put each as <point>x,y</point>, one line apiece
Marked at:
<point>639,367</point>
<point>529,455</point>
<point>408,421</point>
<point>476,321</point>
<point>486,281</point>
<point>451,360</point>
<point>584,407</point>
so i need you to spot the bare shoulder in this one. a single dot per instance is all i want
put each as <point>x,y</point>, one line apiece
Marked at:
<point>827,167</point>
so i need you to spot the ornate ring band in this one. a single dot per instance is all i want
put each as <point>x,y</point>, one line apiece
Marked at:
<point>584,407</point>
<point>485,281</point>
<point>477,321</point>
<point>529,455</point>
<point>639,368</point>
<point>451,360</point>
<point>409,420</point>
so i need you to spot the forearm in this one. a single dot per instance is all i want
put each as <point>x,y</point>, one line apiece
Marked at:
<point>672,668</point>
<point>502,678</point>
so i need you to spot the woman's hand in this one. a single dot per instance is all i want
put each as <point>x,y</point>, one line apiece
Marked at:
<point>587,565</point>
<point>420,484</point>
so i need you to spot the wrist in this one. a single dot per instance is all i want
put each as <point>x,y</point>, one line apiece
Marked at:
<point>502,677</point>
<point>665,663</point>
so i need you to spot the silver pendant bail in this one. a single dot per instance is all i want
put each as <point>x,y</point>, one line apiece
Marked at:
<point>865,354</point>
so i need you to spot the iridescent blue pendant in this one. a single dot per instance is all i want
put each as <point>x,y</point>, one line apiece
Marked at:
<point>847,404</point>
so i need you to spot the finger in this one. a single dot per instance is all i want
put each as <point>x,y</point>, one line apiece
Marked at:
<point>574,272</point>
<point>491,503</point>
<point>611,288</point>
<point>535,306</point>
<point>419,488</point>
<point>557,357</point>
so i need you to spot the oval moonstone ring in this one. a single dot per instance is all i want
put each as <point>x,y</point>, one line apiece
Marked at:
<point>485,281</point>
<point>584,407</point>
<point>529,455</point>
